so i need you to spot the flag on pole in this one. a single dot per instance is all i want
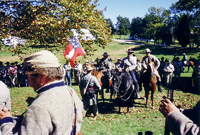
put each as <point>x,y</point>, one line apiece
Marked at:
<point>73,50</point>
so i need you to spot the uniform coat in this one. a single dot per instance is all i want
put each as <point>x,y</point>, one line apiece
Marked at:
<point>156,64</point>
<point>186,122</point>
<point>51,113</point>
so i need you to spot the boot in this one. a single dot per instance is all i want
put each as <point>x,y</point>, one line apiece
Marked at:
<point>137,90</point>
<point>159,88</point>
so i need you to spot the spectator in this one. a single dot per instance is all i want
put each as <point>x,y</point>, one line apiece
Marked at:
<point>178,65</point>
<point>18,77</point>
<point>67,68</point>
<point>168,70</point>
<point>77,71</point>
<point>12,72</point>
<point>181,122</point>
<point>89,87</point>
<point>57,109</point>
<point>161,67</point>
<point>4,96</point>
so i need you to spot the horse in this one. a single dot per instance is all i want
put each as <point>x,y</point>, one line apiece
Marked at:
<point>125,89</point>
<point>150,82</point>
<point>190,63</point>
<point>101,79</point>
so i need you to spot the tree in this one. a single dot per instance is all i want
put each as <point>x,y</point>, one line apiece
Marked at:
<point>183,31</point>
<point>191,8</point>
<point>135,28</point>
<point>123,25</point>
<point>110,25</point>
<point>50,22</point>
<point>153,22</point>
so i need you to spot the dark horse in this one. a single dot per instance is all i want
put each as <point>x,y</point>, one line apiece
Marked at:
<point>190,63</point>
<point>124,87</point>
<point>150,82</point>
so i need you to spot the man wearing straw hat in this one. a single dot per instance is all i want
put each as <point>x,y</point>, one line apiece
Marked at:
<point>156,63</point>
<point>57,109</point>
<point>89,87</point>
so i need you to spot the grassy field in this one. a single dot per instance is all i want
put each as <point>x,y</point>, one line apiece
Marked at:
<point>109,121</point>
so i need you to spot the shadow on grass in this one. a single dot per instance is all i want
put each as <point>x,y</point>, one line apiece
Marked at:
<point>112,106</point>
<point>185,85</point>
<point>159,50</point>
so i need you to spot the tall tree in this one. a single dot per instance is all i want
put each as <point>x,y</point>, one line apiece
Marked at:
<point>135,28</point>
<point>183,31</point>
<point>192,8</point>
<point>123,25</point>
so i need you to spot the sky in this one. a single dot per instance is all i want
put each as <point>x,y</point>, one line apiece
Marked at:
<point>130,8</point>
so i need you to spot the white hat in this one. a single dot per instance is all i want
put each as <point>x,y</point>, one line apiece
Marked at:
<point>147,50</point>
<point>86,61</point>
<point>89,68</point>
<point>42,59</point>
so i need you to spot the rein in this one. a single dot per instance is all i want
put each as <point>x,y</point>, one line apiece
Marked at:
<point>125,90</point>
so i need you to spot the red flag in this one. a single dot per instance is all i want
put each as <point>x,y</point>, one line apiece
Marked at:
<point>73,50</point>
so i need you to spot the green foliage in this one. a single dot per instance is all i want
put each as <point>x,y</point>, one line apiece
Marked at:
<point>47,23</point>
<point>123,25</point>
<point>183,31</point>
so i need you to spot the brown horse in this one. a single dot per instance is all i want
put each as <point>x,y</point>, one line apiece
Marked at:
<point>150,82</point>
<point>190,63</point>
<point>100,77</point>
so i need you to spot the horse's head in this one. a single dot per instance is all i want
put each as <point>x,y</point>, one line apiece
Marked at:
<point>150,67</point>
<point>116,81</point>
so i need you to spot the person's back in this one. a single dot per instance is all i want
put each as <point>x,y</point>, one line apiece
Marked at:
<point>56,112</point>
<point>4,96</point>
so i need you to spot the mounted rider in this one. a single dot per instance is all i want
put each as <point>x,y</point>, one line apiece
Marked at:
<point>156,63</point>
<point>105,66</point>
<point>129,64</point>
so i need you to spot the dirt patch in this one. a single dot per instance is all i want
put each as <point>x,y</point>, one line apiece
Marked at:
<point>121,51</point>
<point>9,58</point>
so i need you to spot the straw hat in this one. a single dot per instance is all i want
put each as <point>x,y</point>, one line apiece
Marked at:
<point>147,50</point>
<point>89,68</point>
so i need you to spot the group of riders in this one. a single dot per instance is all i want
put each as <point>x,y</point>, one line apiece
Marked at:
<point>131,65</point>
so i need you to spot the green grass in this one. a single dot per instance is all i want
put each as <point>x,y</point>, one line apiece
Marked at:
<point>140,119</point>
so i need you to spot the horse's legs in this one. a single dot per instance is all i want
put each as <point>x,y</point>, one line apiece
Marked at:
<point>152,96</point>
<point>119,102</point>
<point>146,95</point>
<point>102,92</point>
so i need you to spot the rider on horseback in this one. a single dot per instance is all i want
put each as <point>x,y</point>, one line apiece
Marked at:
<point>105,67</point>
<point>130,62</point>
<point>156,63</point>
